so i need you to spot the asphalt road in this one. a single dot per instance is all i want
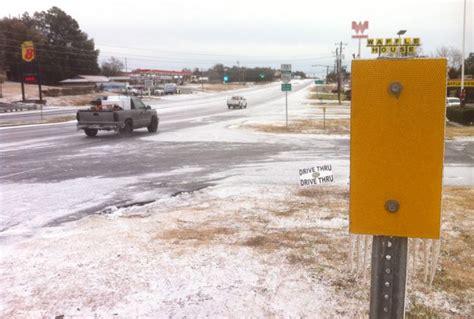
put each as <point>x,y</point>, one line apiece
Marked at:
<point>52,153</point>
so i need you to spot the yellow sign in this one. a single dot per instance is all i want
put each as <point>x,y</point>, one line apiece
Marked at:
<point>27,51</point>
<point>393,41</point>
<point>397,142</point>
<point>392,45</point>
<point>457,83</point>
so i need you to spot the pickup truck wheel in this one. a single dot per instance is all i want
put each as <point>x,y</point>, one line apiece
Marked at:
<point>127,129</point>
<point>91,132</point>
<point>153,127</point>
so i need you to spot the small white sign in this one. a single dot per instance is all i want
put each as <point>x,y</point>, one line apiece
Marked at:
<point>148,83</point>
<point>316,175</point>
<point>286,68</point>
<point>286,77</point>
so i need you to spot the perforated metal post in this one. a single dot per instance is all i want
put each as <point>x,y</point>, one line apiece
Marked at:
<point>388,278</point>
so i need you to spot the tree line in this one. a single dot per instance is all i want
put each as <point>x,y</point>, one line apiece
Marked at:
<point>62,49</point>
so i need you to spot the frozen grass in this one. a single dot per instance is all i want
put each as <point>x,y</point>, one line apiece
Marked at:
<point>58,119</point>
<point>330,126</point>
<point>453,132</point>
<point>222,87</point>
<point>452,291</point>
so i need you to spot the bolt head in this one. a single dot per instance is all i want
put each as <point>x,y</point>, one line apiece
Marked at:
<point>392,206</point>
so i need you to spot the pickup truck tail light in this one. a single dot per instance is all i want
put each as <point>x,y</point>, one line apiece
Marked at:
<point>116,117</point>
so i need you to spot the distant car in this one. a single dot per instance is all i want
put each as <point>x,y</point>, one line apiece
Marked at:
<point>170,88</point>
<point>236,101</point>
<point>453,101</point>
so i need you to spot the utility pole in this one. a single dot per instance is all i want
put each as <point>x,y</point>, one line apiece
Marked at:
<point>327,70</point>
<point>202,84</point>
<point>339,69</point>
<point>463,46</point>
<point>126,68</point>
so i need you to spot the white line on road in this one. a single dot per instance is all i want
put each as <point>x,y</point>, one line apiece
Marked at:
<point>30,170</point>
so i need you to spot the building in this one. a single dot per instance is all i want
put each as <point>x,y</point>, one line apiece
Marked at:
<point>161,76</point>
<point>91,81</point>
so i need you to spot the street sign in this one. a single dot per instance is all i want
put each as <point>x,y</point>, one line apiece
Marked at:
<point>148,83</point>
<point>285,68</point>
<point>286,77</point>
<point>397,143</point>
<point>318,82</point>
<point>30,78</point>
<point>27,51</point>
<point>286,87</point>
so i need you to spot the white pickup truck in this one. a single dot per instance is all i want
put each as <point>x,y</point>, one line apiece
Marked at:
<point>117,113</point>
<point>236,101</point>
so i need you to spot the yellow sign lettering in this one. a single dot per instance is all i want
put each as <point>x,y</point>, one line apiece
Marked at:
<point>379,41</point>
<point>370,42</point>
<point>375,49</point>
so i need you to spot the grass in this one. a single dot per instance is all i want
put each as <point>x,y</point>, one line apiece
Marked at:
<point>58,119</point>
<point>330,126</point>
<point>287,229</point>
<point>453,131</point>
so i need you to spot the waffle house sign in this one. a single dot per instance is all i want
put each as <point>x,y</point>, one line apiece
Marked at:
<point>407,46</point>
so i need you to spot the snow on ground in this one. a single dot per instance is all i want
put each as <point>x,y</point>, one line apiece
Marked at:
<point>253,245</point>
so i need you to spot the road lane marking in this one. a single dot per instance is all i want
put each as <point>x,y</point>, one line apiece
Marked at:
<point>14,174</point>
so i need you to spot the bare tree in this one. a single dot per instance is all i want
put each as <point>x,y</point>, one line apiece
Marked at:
<point>113,66</point>
<point>453,54</point>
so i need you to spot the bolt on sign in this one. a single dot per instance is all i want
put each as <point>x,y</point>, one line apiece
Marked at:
<point>27,51</point>
<point>406,45</point>
<point>397,144</point>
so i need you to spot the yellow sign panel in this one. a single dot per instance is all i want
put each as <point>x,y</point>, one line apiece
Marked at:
<point>397,143</point>
<point>394,41</point>
<point>27,51</point>
<point>457,83</point>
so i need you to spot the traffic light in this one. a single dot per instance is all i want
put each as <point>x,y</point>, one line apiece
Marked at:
<point>261,76</point>
<point>226,78</point>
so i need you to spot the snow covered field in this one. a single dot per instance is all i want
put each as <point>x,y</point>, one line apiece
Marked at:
<point>253,245</point>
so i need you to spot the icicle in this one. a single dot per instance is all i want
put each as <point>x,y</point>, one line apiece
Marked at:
<point>426,250</point>
<point>366,253</point>
<point>358,254</point>
<point>350,255</point>
<point>415,253</point>
<point>409,258</point>
<point>435,257</point>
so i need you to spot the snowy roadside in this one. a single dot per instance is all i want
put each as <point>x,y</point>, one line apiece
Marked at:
<point>253,245</point>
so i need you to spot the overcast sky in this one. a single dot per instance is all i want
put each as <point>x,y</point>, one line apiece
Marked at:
<point>171,34</point>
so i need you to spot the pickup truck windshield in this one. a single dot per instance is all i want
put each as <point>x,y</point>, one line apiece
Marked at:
<point>138,104</point>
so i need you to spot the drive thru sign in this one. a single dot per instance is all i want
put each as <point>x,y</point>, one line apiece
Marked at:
<point>397,144</point>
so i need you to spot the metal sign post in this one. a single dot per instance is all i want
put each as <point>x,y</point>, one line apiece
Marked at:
<point>286,86</point>
<point>388,279</point>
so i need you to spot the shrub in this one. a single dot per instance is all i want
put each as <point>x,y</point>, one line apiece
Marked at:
<point>461,115</point>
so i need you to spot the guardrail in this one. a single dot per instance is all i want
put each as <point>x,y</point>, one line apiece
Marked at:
<point>16,107</point>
